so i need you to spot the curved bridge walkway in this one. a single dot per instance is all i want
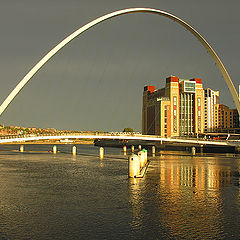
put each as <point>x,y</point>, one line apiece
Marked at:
<point>193,141</point>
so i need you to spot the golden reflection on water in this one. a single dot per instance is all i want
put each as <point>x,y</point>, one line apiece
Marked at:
<point>188,194</point>
<point>136,202</point>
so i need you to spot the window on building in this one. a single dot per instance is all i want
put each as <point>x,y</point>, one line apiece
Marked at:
<point>175,101</point>
<point>189,86</point>
<point>199,102</point>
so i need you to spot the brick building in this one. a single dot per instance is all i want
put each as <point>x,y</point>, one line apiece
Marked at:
<point>226,119</point>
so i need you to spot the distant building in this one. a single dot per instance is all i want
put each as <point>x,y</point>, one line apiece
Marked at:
<point>226,119</point>
<point>177,109</point>
<point>211,98</point>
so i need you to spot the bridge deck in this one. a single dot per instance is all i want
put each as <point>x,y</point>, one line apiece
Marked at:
<point>22,138</point>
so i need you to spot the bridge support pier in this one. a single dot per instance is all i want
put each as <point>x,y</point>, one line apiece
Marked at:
<point>133,166</point>
<point>132,148</point>
<point>101,152</point>
<point>201,149</point>
<point>145,155</point>
<point>138,164</point>
<point>141,157</point>
<point>74,150</point>
<point>153,151</point>
<point>193,151</point>
<point>54,149</point>
<point>21,148</point>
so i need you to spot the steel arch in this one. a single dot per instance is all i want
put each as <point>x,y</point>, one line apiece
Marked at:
<point>68,39</point>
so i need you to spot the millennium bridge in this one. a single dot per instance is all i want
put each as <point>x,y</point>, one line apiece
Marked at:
<point>157,139</point>
<point>118,136</point>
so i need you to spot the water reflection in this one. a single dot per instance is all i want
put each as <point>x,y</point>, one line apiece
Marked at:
<point>47,196</point>
<point>136,202</point>
<point>189,195</point>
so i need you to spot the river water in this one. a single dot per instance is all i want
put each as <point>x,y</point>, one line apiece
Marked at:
<point>60,196</point>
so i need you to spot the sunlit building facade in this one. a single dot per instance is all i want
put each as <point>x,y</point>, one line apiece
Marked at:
<point>177,109</point>
<point>226,119</point>
<point>156,112</point>
<point>211,99</point>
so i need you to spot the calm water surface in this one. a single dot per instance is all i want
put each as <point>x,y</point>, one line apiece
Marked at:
<point>47,196</point>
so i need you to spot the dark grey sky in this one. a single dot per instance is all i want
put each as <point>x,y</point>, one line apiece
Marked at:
<point>96,82</point>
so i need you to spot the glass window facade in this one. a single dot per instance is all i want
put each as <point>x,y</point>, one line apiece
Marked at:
<point>189,86</point>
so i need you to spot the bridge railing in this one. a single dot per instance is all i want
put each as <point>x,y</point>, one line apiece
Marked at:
<point>67,134</point>
<point>99,134</point>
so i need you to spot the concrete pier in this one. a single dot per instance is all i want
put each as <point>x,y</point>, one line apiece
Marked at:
<point>132,148</point>
<point>21,148</point>
<point>145,155</point>
<point>153,150</point>
<point>74,150</point>
<point>141,157</point>
<point>133,166</point>
<point>201,149</point>
<point>193,151</point>
<point>101,152</point>
<point>54,149</point>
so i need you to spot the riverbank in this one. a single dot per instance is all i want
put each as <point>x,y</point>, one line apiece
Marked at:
<point>167,146</point>
<point>90,142</point>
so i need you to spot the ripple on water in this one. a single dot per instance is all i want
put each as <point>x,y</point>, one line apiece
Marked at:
<point>46,196</point>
